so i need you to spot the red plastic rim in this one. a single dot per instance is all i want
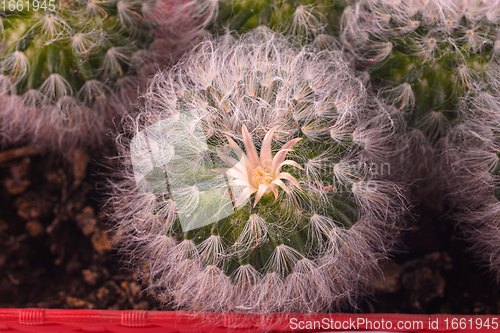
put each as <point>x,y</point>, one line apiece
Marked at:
<point>54,320</point>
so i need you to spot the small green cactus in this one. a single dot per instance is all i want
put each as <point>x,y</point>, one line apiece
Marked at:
<point>68,69</point>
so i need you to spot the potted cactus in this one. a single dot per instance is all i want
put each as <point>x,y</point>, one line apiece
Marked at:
<point>436,63</point>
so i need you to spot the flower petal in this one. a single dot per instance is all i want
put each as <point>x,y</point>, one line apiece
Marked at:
<point>275,192</point>
<point>244,195</point>
<point>236,174</point>
<point>280,156</point>
<point>235,164</point>
<point>260,193</point>
<point>239,182</point>
<point>239,152</point>
<point>250,148</point>
<point>291,143</point>
<point>228,160</point>
<point>266,156</point>
<point>241,155</point>
<point>289,177</point>
<point>281,184</point>
<point>278,159</point>
<point>289,162</point>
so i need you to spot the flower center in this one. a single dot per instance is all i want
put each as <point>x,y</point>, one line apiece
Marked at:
<point>260,176</point>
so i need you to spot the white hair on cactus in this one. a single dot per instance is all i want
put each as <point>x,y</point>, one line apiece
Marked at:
<point>306,21</point>
<point>254,234</point>
<point>385,20</point>
<point>246,284</point>
<point>290,126</point>
<point>207,10</point>
<point>53,27</point>
<point>93,7</point>
<point>493,12</point>
<point>16,65</point>
<point>427,46</point>
<point>126,13</point>
<point>325,42</point>
<point>99,53</point>
<point>94,91</point>
<point>433,123</point>
<point>401,96</point>
<point>115,58</point>
<point>7,86</point>
<point>85,43</point>
<point>212,250</point>
<point>33,98</point>
<point>54,88</point>
<point>481,229</point>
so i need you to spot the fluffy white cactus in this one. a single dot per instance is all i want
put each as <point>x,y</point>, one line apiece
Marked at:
<point>473,160</point>
<point>255,180</point>
<point>428,58</point>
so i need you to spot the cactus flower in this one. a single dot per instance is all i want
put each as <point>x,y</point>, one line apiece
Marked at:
<point>256,174</point>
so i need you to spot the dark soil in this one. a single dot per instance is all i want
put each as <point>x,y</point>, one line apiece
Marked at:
<point>55,251</point>
<point>434,273</point>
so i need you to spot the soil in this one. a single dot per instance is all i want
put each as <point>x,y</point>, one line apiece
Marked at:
<point>55,251</point>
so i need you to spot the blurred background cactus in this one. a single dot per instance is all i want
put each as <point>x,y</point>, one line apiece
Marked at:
<point>315,20</point>
<point>425,58</point>
<point>423,54</point>
<point>70,69</point>
<point>298,212</point>
<point>436,63</point>
<point>473,159</point>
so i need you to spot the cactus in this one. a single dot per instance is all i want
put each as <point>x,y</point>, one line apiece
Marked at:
<point>427,54</point>
<point>445,55</point>
<point>438,62</point>
<point>70,68</point>
<point>255,180</point>
<point>474,161</point>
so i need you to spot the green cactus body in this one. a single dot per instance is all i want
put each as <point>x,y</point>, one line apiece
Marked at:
<point>270,203</point>
<point>70,62</point>
<point>440,52</point>
<point>78,37</point>
<point>305,18</point>
<point>436,86</point>
<point>69,69</point>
